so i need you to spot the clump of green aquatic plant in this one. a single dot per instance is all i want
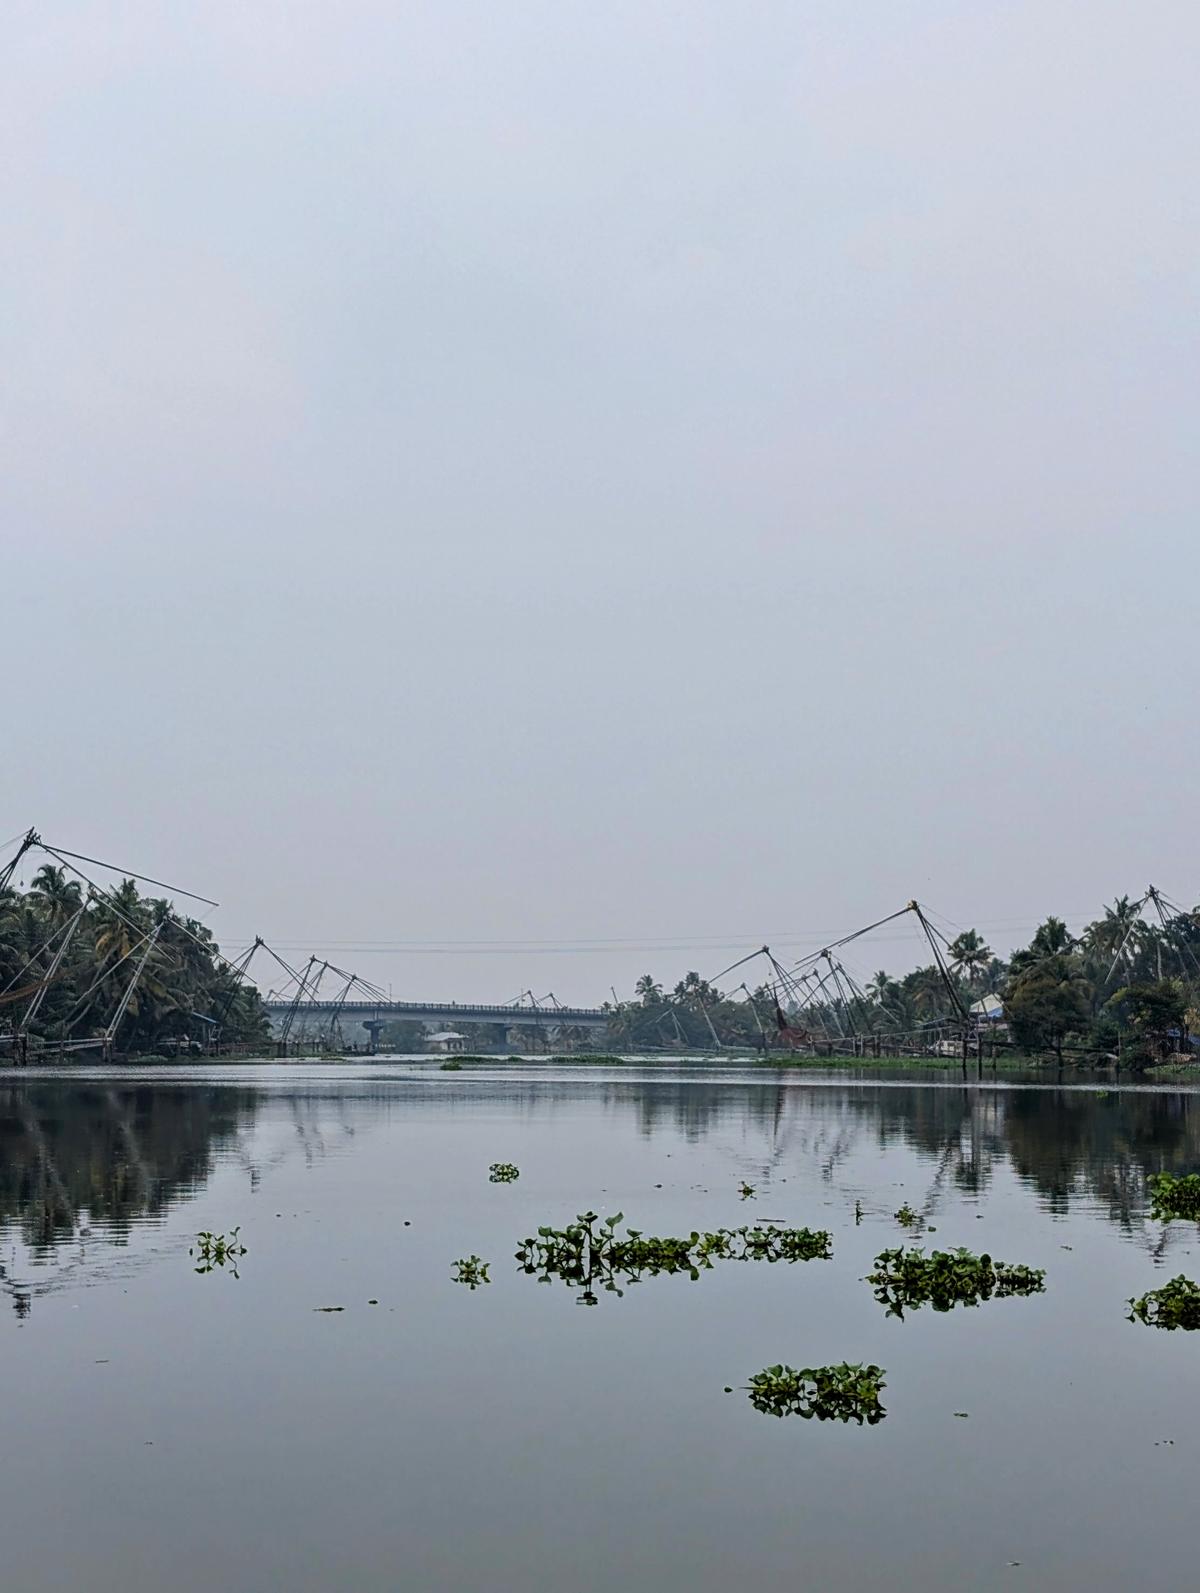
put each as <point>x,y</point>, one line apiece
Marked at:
<point>218,1250</point>
<point>848,1392</point>
<point>453,1065</point>
<point>1175,1305</point>
<point>946,1278</point>
<point>1175,1197</point>
<point>591,1254</point>
<point>775,1244</point>
<point>503,1172</point>
<point>471,1271</point>
<point>591,1059</point>
<point>746,1191</point>
<point>907,1217</point>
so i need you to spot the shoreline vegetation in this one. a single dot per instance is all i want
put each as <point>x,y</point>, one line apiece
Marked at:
<point>1124,992</point>
<point>121,976</point>
<point>86,976</point>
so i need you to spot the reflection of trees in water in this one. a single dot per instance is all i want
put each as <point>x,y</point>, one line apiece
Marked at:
<point>84,1163</point>
<point>118,1153</point>
<point>694,1109</point>
<point>1069,1142</point>
<point>123,1152</point>
<point>958,1132</point>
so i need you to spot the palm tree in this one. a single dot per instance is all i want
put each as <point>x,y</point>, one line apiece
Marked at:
<point>970,955</point>
<point>649,990</point>
<point>692,988</point>
<point>882,987</point>
<point>10,909</point>
<point>1119,937</point>
<point>1108,933</point>
<point>120,923</point>
<point>1053,939</point>
<point>59,897</point>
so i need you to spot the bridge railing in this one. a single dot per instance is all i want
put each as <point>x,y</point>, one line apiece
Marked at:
<point>447,1009</point>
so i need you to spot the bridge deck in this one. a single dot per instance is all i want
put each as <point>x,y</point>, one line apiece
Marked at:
<point>437,1010</point>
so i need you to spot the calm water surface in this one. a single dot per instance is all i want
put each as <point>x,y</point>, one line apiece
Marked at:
<point>173,1431</point>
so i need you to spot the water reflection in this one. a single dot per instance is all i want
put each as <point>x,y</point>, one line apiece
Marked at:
<point>75,1156</point>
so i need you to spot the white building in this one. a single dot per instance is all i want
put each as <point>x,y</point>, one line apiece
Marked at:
<point>988,1013</point>
<point>448,1042</point>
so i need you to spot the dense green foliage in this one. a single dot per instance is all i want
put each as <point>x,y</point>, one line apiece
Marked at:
<point>503,1173</point>
<point>1174,1197</point>
<point>1175,1305</point>
<point>946,1278</point>
<point>185,993</point>
<point>848,1392</point>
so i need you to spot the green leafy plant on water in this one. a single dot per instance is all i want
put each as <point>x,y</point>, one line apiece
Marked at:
<point>503,1172</point>
<point>1175,1305</point>
<point>471,1271</point>
<point>452,1066</point>
<point>591,1059</point>
<point>946,1278</point>
<point>907,1217</point>
<point>590,1254</point>
<point>1174,1197</point>
<point>848,1392</point>
<point>218,1250</point>
<point>746,1191</point>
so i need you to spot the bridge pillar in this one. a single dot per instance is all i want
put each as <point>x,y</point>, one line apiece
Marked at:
<point>373,1026</point>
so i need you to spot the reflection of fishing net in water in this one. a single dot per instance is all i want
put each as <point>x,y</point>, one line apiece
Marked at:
<point>99,1257</point>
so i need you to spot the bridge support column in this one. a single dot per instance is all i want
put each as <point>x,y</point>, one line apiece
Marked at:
<point>373,1026</point>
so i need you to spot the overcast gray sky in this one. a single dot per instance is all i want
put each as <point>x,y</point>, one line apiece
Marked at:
<point>571,473</point>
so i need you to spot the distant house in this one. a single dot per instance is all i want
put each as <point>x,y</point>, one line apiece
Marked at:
<point>988,1013</point>
<point>448,1042</point>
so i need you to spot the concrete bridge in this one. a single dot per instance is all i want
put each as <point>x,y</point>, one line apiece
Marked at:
<point>497,1020</point>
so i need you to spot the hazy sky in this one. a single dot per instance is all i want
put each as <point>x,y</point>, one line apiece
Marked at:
<point>554,472</point>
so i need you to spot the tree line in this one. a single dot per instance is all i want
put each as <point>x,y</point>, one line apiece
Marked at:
<point>1123,986</point>
<point>184,997</point>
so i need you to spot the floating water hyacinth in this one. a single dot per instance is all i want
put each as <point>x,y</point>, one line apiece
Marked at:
<point>503,1172</point>
<point>1175,1305</point>
<point>472,1271</point>
<point>848,1392</point>
<point>218,1250</point>
<point>907,1217</point>
<point>946,1278</point>
<point>1174,1197</point>
<point>591,1254</point>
